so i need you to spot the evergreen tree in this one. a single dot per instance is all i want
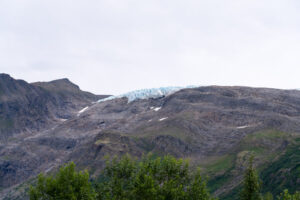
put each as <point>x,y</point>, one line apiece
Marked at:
<point>251,184</point>
<point>198,189</point>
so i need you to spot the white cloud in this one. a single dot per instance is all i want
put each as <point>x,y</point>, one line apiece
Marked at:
<point>113,46</point>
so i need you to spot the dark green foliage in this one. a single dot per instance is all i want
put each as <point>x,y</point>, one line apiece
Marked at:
<point>66,185</point>
<point>252,187</point>
<point>163,178</point>
<point>217,181</point>
<point>234,194</point>
<point>198,189</point>
<point>285,195</point>
<point>285,172</point>
<point>268,196</point>
<point>251,184</point>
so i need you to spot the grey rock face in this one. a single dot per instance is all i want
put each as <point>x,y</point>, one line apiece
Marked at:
<point>28,107</point>
<point>28,112</point>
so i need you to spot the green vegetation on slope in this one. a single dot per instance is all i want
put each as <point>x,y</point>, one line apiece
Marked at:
<point>284,172</point>
<point>265,145</point>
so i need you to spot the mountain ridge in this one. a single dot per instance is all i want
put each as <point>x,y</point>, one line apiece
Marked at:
<point>36,106</point>
<point>216,127</point>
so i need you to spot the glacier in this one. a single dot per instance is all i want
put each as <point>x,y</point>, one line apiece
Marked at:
<point>147,93</point>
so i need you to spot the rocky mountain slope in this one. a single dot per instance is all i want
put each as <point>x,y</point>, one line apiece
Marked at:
<point>217,128</point>
<point>28,107</point>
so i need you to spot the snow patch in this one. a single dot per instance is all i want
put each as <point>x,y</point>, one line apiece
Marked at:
<point>146,93</point>
<point>242,127</point>
<point>48,170</point>
<point>156,109</point>
<point>162,119</point>
<point>81,111</point>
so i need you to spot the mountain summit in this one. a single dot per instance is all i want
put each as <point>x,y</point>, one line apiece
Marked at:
<point>26,107</point>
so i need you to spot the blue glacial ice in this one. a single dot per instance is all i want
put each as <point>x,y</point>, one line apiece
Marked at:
<point>146,93</point>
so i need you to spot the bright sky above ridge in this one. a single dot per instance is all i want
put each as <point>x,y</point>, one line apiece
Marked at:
<point>115,46</point>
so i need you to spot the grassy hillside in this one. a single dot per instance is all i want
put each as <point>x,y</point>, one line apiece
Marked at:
<point>284,172</point>
<point>277,157</point>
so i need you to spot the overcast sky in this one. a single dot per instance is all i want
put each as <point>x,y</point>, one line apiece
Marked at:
<point>115,46</point>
